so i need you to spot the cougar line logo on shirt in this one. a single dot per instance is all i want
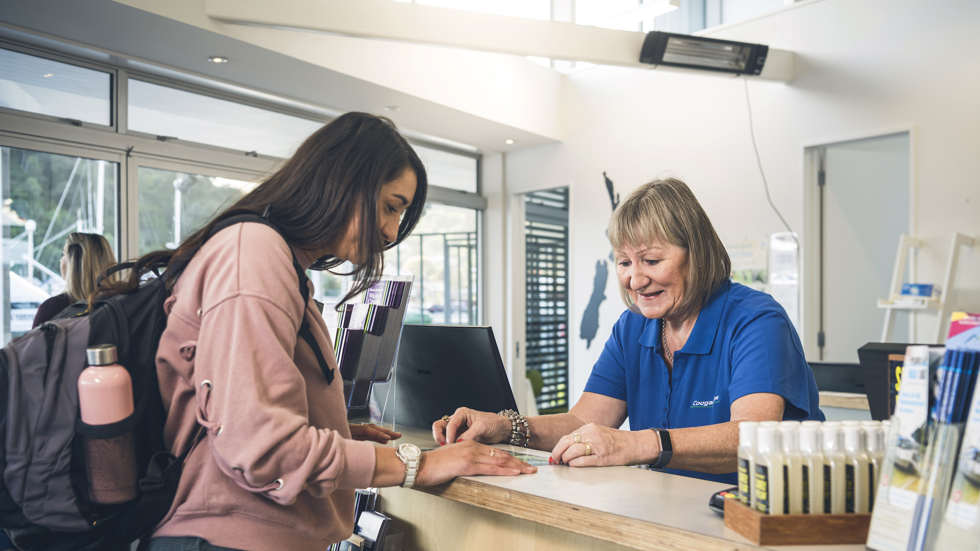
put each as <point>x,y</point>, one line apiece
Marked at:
<point>705,404</point>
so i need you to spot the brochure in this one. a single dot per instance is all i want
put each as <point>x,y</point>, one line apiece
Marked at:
<point>902,475</point>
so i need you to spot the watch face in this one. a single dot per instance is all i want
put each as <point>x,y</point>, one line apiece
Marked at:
<point>410,451</point>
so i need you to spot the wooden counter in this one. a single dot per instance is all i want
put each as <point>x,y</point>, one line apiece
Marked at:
<point>560,507</point>
<point>844,400</point>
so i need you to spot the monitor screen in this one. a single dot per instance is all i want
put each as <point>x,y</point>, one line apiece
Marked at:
<point>441,368</point>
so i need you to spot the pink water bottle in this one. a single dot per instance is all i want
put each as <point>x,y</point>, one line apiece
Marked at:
<point>105,396</point>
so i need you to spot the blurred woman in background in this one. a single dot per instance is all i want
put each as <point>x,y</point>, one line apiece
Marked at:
<point>85,257</point>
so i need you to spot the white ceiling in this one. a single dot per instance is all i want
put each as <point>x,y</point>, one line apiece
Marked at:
<point>123,35</point>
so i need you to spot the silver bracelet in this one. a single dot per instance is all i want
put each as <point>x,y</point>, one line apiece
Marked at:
<point>517,422</point>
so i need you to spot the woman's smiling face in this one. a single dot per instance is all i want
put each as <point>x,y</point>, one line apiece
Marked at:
<point>654,276</point>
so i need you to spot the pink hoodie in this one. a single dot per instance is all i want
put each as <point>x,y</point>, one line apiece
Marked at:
<point>277,468</point>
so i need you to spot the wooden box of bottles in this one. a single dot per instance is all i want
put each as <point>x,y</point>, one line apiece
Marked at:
<point>795,529</point>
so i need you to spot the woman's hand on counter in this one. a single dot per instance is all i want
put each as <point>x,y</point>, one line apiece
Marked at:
<point>607,446</point>
<point>468,459</point>
<point>467,424</point>
<point>373,433</point>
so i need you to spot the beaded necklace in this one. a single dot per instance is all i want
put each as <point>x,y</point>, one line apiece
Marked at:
<point>663,333</point>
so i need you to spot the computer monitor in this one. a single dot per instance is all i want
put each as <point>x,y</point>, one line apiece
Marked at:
<point>441,368</point>
<point>879,362</point>
<point>838,377</point>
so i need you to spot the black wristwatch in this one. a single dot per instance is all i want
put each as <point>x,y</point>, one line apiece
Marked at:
<point>666,451</point>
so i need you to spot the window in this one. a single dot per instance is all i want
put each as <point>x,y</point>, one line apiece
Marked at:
<point>174,205</point>
<point>546,338</point>
<point>174,113</point>
<point>46,197</point>
<point>532,9</point>
<point>171,190</point>
<point>48,87</point>
<point>449,170</point>
<point>442,254</point>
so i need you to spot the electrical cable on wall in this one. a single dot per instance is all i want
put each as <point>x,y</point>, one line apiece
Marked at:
<point>762,172</point>
<point>765,184</point>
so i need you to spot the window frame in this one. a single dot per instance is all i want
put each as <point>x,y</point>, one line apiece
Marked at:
<point>78,62</point>
<point>132,149</point>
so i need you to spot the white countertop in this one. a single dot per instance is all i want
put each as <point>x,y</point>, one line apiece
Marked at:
<point>654,497</point>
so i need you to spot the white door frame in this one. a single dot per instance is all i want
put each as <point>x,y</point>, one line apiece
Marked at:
<point>810,269</point>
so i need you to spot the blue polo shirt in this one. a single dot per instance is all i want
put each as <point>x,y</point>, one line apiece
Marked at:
<point>742,343</point>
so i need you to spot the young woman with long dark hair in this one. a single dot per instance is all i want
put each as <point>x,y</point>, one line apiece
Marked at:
<point>278,465</point>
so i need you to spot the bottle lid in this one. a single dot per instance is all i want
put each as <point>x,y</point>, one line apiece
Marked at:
<point>769,424</point>
<point>747,433</point>
<point>831,437</point>
<point>768,439</point>
<point>874,435</point>
<point>851,423</point>
<point>809,439</point>
<point>814,424</point>
<point>853,438</point>
<point>102,354</point>
<point>789,430</point>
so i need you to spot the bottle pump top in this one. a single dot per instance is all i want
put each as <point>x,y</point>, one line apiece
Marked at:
<point>747,433</point>
<point>768,439</point>
<point>809,439</point>
<point>832,438</point>
<point>102,354</point>
<point>875,435</point>
<point>852,438</point>
<point>790,434</point>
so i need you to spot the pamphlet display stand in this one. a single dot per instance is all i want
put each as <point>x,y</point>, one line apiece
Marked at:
<point>896,301</point>
<point>366,343</point>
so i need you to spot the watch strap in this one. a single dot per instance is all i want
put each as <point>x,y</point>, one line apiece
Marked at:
<point>411,469</point>
<point>411,466</point>
<point>666,450</point>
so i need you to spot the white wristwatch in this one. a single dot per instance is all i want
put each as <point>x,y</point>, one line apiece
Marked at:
<point>411,456</point>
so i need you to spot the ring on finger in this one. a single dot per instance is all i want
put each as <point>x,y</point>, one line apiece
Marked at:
<point>578,437</point>
<point>588,448</point>
<point>493,453</point>
<point>446,418</point>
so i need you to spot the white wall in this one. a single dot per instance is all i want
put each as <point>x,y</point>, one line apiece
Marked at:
<point>863,66</point>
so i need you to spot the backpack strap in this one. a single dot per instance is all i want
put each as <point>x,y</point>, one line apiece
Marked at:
<point>304,327</point>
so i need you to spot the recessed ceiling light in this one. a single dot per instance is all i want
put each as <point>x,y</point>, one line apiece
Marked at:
<point>508,142</point>
<point>218,59</point>
<point>49,75</point>
<point>392,108</point>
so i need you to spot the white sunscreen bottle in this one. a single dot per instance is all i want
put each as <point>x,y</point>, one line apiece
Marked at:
<point>769,488</point>
<point>811,453</point>
<point>746,462</point>
<point>792,467</point>
<point>858,474</point>
<point>874,435</point>
<point>834,480</point>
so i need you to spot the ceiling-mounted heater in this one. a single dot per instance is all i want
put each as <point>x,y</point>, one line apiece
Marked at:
<point>709,54</point>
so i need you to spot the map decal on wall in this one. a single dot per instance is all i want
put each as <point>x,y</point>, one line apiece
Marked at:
<point>590,319</point>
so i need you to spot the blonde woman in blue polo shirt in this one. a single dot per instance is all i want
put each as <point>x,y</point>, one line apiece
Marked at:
<point>692,356</point>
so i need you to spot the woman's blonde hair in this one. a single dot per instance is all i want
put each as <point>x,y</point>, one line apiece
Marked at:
<point>88,255</point>
<point>665,211</point>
